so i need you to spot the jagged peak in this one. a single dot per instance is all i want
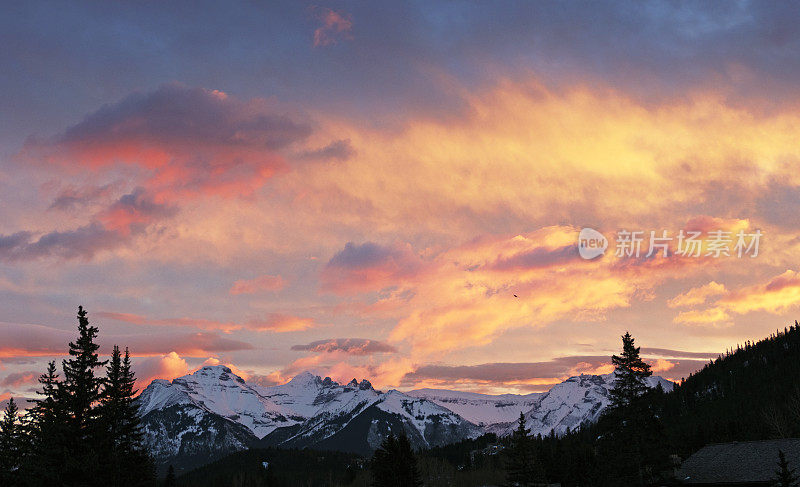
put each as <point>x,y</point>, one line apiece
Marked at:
<point>305,377</point>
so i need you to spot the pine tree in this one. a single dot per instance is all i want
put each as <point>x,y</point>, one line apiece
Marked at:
<point>122,452</point>
<point>10,444</point>
<point>631,372</point>
<point>47,430</point>
<point>522,468</point>
<point>785,476</point>
<point>633,437</point>
<point>394,464</point>
<point>80,392</point>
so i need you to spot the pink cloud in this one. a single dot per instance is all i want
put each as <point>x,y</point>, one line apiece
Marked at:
<point>188,141</point>
<point>335,26</point>
<point>369,267</point>
<point>258,284</point>
<point>274,322</point>
<point>20,378</point>
<point>28,340</point>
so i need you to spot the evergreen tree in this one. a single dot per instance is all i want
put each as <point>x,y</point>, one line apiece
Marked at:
<point>394,464</point>
<point>632,438</point>
<point>631,372</point>
<point>11,449</point>
<point>785,476</point>
<point>522,469</point>
<point>126,462</point>
<point>80,393</point>
<point>46,428</point>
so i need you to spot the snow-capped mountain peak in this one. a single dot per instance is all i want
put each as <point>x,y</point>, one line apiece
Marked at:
<point>215,410</point>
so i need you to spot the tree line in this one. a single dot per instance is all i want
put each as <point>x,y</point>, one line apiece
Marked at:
<point>84,428</point>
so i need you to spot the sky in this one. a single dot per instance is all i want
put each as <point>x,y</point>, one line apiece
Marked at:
<point>395,190</point>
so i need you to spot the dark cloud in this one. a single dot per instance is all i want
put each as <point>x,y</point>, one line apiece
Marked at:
<point>71,198</point>
<point>537,258</point>
<point>553,369</point>
<point>39,340</point>
<point>338,150</point>
<point>175,114</point>
<point>82,242</point>
<point>369,267</point>
<point>362,256</point>
<point>508,372</point>
<point>20,378</point>
<point>129,216</point>
<point>779,204</point>
<point>665,352</point>
<point>352,346</point>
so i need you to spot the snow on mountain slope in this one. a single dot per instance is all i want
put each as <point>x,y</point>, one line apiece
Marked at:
<point>218,390</point>
<point>357,418</point>
<point>480,409</point>
<point>420,412</point>
<point>332,409</point>
<point>571,403</point>
<point>215,411</point>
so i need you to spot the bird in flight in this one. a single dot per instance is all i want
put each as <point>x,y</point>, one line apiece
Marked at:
<point>516,296</point>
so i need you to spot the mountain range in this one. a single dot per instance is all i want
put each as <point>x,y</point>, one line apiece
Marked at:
<point>212,412</point>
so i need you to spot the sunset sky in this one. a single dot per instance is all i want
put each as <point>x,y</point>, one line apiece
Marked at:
<point>360,189</point>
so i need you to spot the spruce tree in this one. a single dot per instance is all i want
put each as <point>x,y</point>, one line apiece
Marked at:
<point>633,447</point>
<point>47,430</point>
<point>785,476</point>
<point>631,372</point>
<point>81,393</point>
<point>10,444</point>
<point>522,468</point>
<point>394,464</point>
<point>122,453</point>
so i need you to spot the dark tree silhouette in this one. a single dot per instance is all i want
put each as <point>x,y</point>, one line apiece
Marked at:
<point>47,430</point>
<point>522,469</point>
<point>631,372</point>
<point>84,430</point>
<point>11,444</point>
<point>120,432</point>
<point>784,476</point>
<point>394,464</point>
<point>81,393</point>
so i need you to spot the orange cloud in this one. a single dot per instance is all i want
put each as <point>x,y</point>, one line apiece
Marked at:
<point>167,367</point>
<point>258,284</point>
<point>467,296</point>
<point>780,295</point>
<point>275,322</point>
<point>697,295</point>
<point>281,323</point>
